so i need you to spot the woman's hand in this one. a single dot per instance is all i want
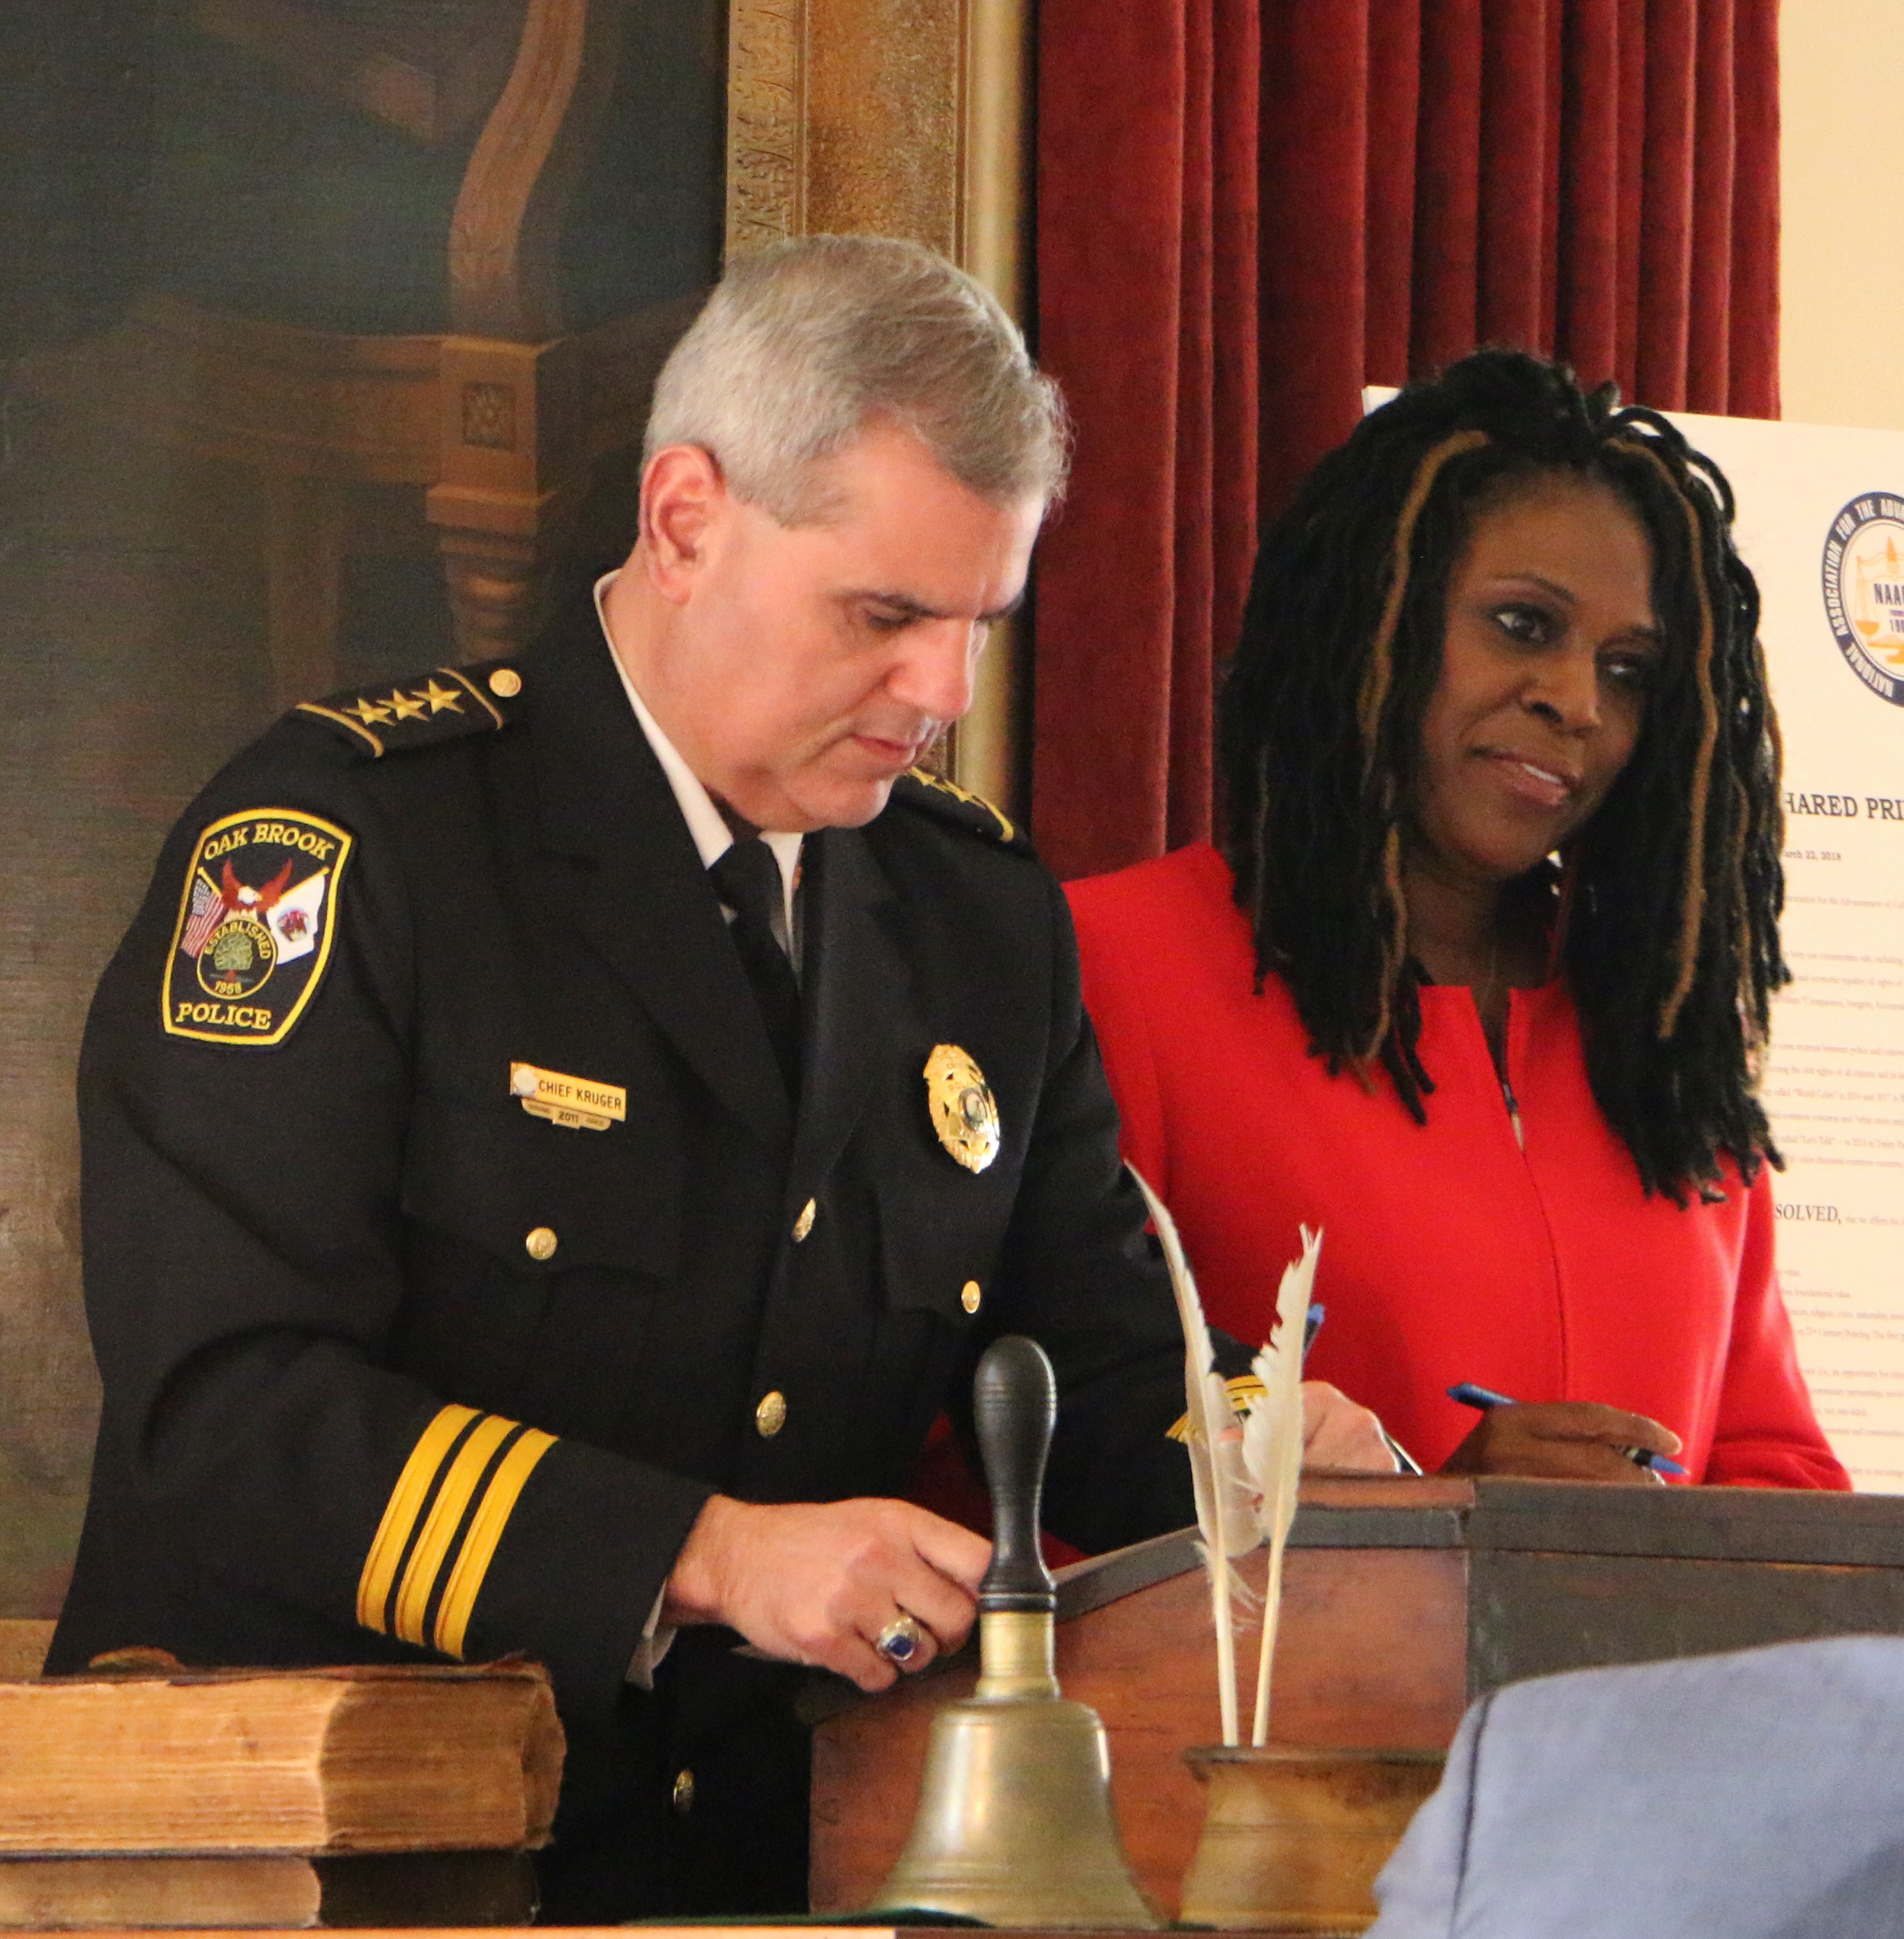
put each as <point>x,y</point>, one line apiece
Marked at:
<point>1337,1433</point>
<point>1562,1440</point>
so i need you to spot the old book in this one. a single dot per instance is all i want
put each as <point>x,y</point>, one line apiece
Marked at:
<point>278,1891</point>
<point>360,1759</point>
<point>23,1644</point>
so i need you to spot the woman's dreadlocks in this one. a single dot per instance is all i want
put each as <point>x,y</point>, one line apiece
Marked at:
<point>1668,934</point>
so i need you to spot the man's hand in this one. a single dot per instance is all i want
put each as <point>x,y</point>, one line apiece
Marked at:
<point>816,1582</point>
<point>1566,1440</point>
<point>1337,1433</point>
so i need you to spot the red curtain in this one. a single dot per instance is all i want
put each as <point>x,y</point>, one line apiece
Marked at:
<point>1147,265</point>
<point>1247,209</point>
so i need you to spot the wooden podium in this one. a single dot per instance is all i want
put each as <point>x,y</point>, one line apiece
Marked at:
<point>1402,1600</point>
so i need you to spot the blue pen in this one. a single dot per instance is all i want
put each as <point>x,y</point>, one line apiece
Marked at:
<point>1485,1399</point>
<point>1311,1325</point>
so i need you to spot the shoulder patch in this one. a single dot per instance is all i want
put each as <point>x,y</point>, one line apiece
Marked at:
<point>444,704</point>
<point>255,923</point>
<point>947,801</point>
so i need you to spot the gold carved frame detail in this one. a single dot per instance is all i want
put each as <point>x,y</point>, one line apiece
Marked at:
<point>766,113</point>
<point>894,117</point>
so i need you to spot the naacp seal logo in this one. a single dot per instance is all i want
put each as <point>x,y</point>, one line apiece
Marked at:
<point>1864,590</point>
<point>964,1114</point>
<point>252,938</point>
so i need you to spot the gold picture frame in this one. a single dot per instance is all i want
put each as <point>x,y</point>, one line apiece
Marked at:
<point>895,117</point>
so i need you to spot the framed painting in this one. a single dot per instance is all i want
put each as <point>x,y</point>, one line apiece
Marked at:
<point>326,330</point>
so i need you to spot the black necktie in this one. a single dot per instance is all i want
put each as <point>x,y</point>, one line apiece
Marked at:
<point>747,879</point>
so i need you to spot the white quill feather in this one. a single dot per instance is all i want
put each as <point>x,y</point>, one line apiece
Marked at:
<point>1272,1448</point>
<point>1216,1469</point>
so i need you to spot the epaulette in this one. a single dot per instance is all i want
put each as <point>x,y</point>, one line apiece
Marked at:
<point>947,801</point>
<point>444,704</point>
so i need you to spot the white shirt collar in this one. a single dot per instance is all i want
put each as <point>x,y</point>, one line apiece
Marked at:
<point>712,836</point>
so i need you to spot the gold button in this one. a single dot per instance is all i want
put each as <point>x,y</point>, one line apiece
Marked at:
<point>541,1243</point>
<point>506,682</point>
<point>804,1224</point>
<point>770,1417</point>
<point>971,1296</point>
<point>683,1793</point>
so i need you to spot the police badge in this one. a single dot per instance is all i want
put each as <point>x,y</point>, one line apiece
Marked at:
<point>964,1113</point>
<point>252,938</point>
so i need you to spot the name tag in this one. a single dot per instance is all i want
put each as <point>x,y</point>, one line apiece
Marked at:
<point>579,1104</point>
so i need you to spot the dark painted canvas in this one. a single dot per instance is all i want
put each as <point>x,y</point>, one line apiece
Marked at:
<point>224,225</point>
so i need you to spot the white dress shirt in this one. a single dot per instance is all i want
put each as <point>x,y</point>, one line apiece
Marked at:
<point>706,823</point>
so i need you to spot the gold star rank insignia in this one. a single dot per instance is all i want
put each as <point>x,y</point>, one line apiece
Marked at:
<point>444,705</point>
<point>440,697</point>
<point>946,801</point>
<point>965,796</point>
<point>964,1113</point>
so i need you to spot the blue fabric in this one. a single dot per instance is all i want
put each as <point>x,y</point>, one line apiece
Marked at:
<point>1758,1795</point>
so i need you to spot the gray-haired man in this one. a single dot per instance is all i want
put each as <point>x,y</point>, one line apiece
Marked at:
<point>560,1130</point>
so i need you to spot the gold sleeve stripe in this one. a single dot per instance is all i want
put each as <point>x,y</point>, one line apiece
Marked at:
<point>343,719</point>
<point>401,1512</point>
<point>446,1513</point>
<point>479,1548</point>
<point>1244,1390</point>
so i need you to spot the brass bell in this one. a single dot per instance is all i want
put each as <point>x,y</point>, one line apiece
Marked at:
<point>1014,1824</point>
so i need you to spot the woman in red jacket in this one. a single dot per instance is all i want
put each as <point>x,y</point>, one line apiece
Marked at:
<point>1479,979</point>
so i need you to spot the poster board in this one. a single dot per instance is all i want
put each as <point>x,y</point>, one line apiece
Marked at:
<point>1821,523</point>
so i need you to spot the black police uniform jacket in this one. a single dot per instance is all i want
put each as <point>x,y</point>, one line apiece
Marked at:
<point>394,1368</point>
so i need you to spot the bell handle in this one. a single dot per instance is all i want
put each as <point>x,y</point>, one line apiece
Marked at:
<point>1014,1406</point>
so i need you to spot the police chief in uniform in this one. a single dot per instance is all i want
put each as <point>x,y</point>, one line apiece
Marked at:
<point>559,1131</point>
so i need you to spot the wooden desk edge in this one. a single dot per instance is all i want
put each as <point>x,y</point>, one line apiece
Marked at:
<point>658,1930</point>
